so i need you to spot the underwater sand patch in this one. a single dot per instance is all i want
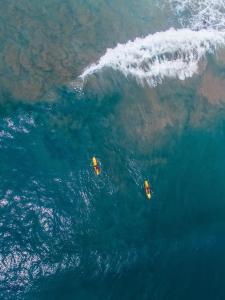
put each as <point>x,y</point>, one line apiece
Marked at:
<point>46,44</point>
<point>212,87</point>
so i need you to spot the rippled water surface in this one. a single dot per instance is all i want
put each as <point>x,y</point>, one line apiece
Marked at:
<point>148,109</point>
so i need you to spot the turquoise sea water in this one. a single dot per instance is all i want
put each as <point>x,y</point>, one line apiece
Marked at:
<point>67,234</point>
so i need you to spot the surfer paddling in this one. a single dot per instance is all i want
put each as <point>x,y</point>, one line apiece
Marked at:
<point>147,190</point>
<point>96,166</point>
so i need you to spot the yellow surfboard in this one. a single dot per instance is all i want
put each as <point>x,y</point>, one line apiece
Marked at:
<point>96,166</point>
<point>147,190</point>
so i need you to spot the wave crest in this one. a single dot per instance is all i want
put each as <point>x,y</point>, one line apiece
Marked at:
<point>169,54</point>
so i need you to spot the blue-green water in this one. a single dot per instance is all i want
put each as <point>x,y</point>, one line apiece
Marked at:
<point>66,233</point>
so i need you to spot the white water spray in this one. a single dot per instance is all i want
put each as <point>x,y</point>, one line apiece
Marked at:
<point>198,14</point>
<point>172,53</point>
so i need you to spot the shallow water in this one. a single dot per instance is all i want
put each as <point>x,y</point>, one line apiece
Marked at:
<point>67,234</point>
<point>46,44</point>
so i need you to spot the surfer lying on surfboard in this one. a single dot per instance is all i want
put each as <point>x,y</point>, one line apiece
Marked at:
<point>96,166</point>
<point>147,189</point>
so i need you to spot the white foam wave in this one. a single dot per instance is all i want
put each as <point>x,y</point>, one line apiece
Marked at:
<point>197,14</point>
<point>169,54</point>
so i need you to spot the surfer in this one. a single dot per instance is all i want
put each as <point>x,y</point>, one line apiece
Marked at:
<point>147,189</point>
<point>96,166</point>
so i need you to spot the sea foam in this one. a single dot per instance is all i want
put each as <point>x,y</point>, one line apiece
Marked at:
<point>169,54</point>
<point>174,53</point>
<point>198,14</point>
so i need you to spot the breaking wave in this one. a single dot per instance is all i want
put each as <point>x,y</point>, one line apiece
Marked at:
<point>174,53</point>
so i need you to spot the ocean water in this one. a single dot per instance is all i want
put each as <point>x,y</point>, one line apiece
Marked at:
<point>149,108</point>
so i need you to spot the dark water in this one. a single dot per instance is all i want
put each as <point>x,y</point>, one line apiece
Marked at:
<point>67,234</point>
